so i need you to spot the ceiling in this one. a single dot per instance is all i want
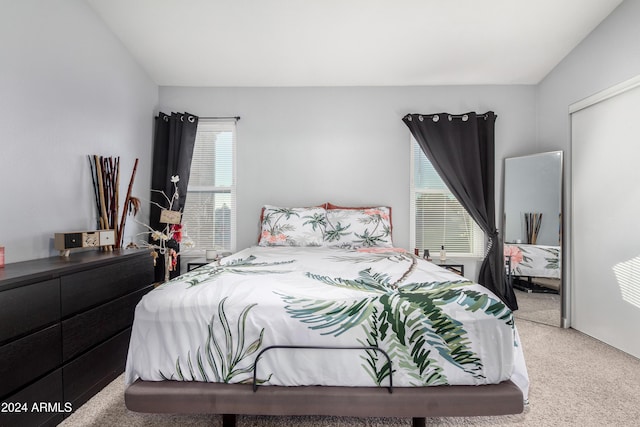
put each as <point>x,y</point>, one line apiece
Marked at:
<point>350,42</point>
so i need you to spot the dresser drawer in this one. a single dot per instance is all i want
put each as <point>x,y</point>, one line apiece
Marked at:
<point>28,358</point>
<point>87,329</point>
<point>45,390</point>
<point>86,289</point>
<point>28,308</point>
<point>89,373</point>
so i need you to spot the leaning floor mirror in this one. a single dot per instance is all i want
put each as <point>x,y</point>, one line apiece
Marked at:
<point>532,227</point>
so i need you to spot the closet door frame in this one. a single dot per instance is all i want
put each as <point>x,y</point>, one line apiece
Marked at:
<point>604,296</point>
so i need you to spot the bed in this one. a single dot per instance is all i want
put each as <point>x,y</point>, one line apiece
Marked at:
<point>535,268</point>
<point>324,317</point>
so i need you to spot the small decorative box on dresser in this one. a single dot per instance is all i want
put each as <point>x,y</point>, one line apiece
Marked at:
<point>64,330</point>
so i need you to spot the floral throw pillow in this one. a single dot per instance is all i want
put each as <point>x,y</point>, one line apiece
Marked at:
<point>283,226</point>
<point>358,228</point>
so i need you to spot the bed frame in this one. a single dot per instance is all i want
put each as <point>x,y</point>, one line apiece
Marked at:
<point>230,400</point>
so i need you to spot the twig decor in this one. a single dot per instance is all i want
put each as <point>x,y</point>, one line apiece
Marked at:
<point>131,205</point>
<point>105,176</point>
<point>532,222</point>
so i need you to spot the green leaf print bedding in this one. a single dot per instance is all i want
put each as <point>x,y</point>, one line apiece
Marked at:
<point>211,323</point>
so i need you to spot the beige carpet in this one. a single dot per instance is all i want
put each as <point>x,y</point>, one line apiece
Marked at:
<point>539,307</point>
<point>575,381</point>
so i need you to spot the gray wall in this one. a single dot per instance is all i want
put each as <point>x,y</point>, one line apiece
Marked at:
<point>69,89</point>
<point>303,146</point>
<point>609,55</point>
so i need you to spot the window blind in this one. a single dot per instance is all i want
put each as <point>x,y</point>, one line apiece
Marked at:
<point>209,212</point>
<point>438,219</point>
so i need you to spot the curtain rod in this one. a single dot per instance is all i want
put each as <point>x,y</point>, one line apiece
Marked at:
<point>436,116</point>
<point>236,118</point>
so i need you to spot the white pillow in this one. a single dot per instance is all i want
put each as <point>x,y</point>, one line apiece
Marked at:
<point>358,228</point>
<point>283,226</point>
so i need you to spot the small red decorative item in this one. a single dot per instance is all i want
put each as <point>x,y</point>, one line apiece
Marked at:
<point>1,256</point>
<point>174,260</point>
<point>176,232</point>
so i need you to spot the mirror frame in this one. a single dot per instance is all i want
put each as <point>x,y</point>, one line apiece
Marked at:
<point>562,220</point>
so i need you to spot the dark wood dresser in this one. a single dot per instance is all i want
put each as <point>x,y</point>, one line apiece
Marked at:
<point>65,324</point>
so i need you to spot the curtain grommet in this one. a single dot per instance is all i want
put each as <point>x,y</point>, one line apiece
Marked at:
<point>191,119</point>
<point>435,118</point>
<point>465,118</point>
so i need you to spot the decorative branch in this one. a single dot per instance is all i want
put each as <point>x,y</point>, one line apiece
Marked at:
<point>131,205</point>
<point>105,177</point>
<point>532,224</point>
<point>165,241</point>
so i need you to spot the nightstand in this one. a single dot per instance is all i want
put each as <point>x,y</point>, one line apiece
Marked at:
<point>451,265</point>
<point>197,262</point>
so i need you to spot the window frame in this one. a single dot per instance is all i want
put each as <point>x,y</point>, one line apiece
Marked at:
<point>478,242</point>
<point>217,189</point>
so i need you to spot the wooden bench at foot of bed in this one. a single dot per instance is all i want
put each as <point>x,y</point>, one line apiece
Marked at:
<point>405,402</point>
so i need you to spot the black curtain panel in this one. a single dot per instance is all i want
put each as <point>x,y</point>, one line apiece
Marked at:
<point>174,139</point>
<point>462,150</point>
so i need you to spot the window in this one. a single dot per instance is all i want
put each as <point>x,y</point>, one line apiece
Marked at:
<point>437,218</point>
<point>209,211</point>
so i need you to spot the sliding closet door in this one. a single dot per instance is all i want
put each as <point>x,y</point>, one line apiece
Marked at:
<point>605,186</point>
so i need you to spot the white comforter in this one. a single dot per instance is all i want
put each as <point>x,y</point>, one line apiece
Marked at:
<point>211,323</point>
<point>534,260</point>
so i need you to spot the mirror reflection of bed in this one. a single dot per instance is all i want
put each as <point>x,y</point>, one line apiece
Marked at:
<point>532,226</point>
